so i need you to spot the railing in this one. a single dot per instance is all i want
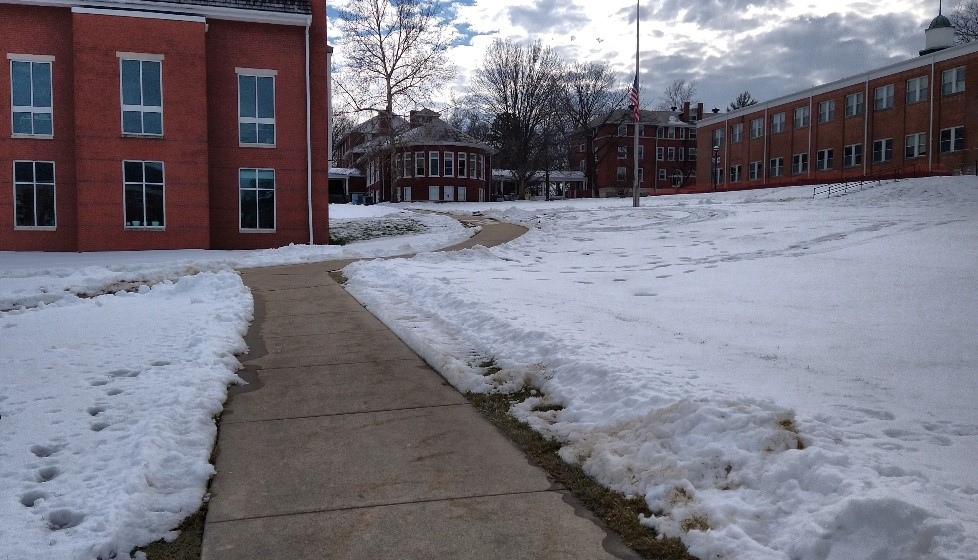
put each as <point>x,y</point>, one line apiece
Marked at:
<point>906,172</point>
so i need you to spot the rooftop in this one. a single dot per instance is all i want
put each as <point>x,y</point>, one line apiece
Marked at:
<point>286,6</point>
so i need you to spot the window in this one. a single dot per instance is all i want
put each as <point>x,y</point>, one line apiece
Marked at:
<point>582,166</point>
<point>825,159</point>
<point>462,167</point>
<point>692,134</point>
<point>799,164</point>
<point>854,104</point>
<point>826,111</point>
<point>641,152</point>
<point>680,156</point>
<point>623,130</point>
<point>641,130</point>
<point>34,194</point>
<point>482,167</point>
<point>30,85</point>
<point>256,108</point>
<point>580,148</point>
<point>777,166</point>
<point>641,174</point>
<point>622,152</point>
<point>802,117</point>
<point>756,128</point>
<point>662,175</point>
<point>916,89</point>
<point>718,137</point>
<point>671,133</point>
<point>952,139</point>
<point>434,193</point>
<point>735,173</point>
<point>449,164</point>
<point>419,164</point>
<point>737,132</point>
<point>622,174</point>
<point>433,164</point>
<point>660,154</point>
<point>660,132</point>
<point>143,191</point>
<point>473,166</point>
<point>671,153</point>
<point>852,155</point>
<point>463,194</point>
<point>916,145</point>
<point>256,189</point>
<point>777,122</point>
<point>884,97</point>
<point>142,97</point>
<point>407,164</point>
<point>691,154</point>
<point>882,150</point>
<point>952,81</point>
<point>754,170</point>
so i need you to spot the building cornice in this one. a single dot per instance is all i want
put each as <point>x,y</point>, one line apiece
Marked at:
<point>193,10</point>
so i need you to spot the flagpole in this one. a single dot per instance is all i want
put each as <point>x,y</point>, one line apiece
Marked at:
<point>635,182</point>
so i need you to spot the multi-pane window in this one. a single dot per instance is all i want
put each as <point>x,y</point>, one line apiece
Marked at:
<point>473,166</point>
<point>641,152</point>
<point>916,145</point>
<point>419,164</point>
<point>660,132</point>
<point>854,104</point>
<point>952,139</point>
<point>407,164</point>
<point>462,164</point>
<point>623,130</point>
<point>662,175</point>
<point>825,159</point>
<point>737,132</point>
<point>34,194</point>
<point>777,166</point>
<point>884,97</point>
<point>952,81</point>
<point>257,192</point>
<point>826,111</point>
<point>622,152</point>
<point>143,192</point>
<point>434,164</point>
<point>449,164</point>
<point>671,153</point>
<point>692,134</point>
<point>754,170</point>
<point>756,128</point>
<point>718,137</point>
<point>917,89</point>
<point>660,154</point>
<point>30,84</point>
<point>882,150</point>
<point>142,96</point>
<point>671,133</point>
<point>691,154</point>
<point>735,173</point>
<point>802,117</point>
<point>256,109</point>
<point>621,174</point>
<point>482,167</point>
<point>777,122</point>
<point>799,163</point>
<point>852,155</point>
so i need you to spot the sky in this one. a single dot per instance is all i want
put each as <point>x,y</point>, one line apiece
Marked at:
<point>767,47</point>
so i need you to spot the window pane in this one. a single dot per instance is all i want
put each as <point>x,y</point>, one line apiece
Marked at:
<point>246,96</point>
<point>24,209</point>
<point>266,209</point>
<point>42,84</point>
<point>42,123</point>
<point>247,179</point>
<point>152,96</point>
<point>154,172</point>
<point>152,122</point>
<point>24,171</point>
<point>21,80</point>
<point>134,205</point>
<point>266,97</point>
<point>132,172</point>
<point>266,179</point>
<point>266,134</point>
<point>249,133</point>
<point>249,209</point>
<point>23,123</point>
<point>154,205</point>
<point>130,83</point>
<point>44,205</point>
<point>44,171</point>
<point>132,122</point>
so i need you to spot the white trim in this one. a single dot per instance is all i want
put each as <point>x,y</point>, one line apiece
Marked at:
<point>143,183</point>
<point>54,185</point>
<point>135,14</point>
<point>274,189</point>
<point>151,57</point>
<point>255,71</point>
<point>30,57</point>
<point>216,12</point>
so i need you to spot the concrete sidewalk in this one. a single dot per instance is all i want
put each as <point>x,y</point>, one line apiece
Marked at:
<point>345,444</point>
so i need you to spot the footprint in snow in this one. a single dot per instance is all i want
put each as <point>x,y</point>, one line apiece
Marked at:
<point>41,451</point>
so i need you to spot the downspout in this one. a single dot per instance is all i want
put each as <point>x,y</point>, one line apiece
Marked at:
<point>766,132</point>
<point>309,137</point>
<point>810,127</point>
<point>930,126</point>
<point>866,152</point>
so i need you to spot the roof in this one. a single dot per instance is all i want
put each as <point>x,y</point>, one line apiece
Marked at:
<point>285,6</point>
<point>555,175</point>
<point>939,22</point>
<point>624,116</point>
<point>438,132</point>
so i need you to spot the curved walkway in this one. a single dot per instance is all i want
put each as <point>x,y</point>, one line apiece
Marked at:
<point>345,444</point>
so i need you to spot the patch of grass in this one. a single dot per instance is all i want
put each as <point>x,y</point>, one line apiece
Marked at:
<point>187,545</point>
<point>618,511</point>
<point>697,522</point>
<point>338,277</point>
<point>789,426</point>
<point>341,233</point>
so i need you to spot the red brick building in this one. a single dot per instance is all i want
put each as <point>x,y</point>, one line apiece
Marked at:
<point>432,160</point>
<point>666,154</point>
<point>907,119</point>
<point>149,124</point>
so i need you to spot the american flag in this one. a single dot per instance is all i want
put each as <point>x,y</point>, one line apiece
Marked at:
<point>633,99</point>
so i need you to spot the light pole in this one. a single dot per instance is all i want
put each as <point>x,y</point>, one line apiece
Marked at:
<point>716,166</point>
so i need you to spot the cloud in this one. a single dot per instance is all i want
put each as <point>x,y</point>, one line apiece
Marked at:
<point>549,16</point>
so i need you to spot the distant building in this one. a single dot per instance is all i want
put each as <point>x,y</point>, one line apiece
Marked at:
<point>667,151</point>
<point>163,124</point>
<point>908,119</point>
<point>431,159</point>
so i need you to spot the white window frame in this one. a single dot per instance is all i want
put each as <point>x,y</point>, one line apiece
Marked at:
<point>641,152</point>
<point>130,224</point>
<point>826,111</point>
<point>462,165</point>
<point>799,163</point>
<point>883,97</point>
<point>802,117</point>
<point>735,173</point>
<point>31,109</point>
<point>473,166</point>
<point>463,194</point>
<point>258,73</point>
<point>776,167</point>
<point>825,159</point>
<point>419,164</point>
<point>407,164</point>
<point>756,128</point>
<point>755,170</point>
<point>434,193</point>
<point>854,104</point>
<point>777,123</point>
<point>882,150</point>
<point>952,80</point>
<point>671,153</point>
<point>448,160</point>
<point>622,152</point>
<point>434,163</point>
<point>33,184</point>
<point>691,154</point>
<point>852,155</point>
<point>915,145</point>
<point>257,189</point>
<point>660,153</point>
<point>917,89</point>
<point>955,139</point>
<point>718,135</point>
<point>736,133</point>
<point>662,175</point>
<point>142,108</point>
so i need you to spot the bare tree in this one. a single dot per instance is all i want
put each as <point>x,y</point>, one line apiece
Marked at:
<point>465,116</point>
<point>591,94</point>
<point>743,100</point>
<point>519,86</point>
<point>964,18</point>
<point>677,93</point>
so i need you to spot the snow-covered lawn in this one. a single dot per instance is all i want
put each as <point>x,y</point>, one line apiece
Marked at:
<point>112,367</point>
<point>797,376</point>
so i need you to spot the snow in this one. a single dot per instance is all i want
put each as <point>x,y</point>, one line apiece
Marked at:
<point>114,366</point>
<point>779,377</point>
<point>796,375</point>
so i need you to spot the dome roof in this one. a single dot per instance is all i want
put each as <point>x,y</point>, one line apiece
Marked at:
<point>940,21</point>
